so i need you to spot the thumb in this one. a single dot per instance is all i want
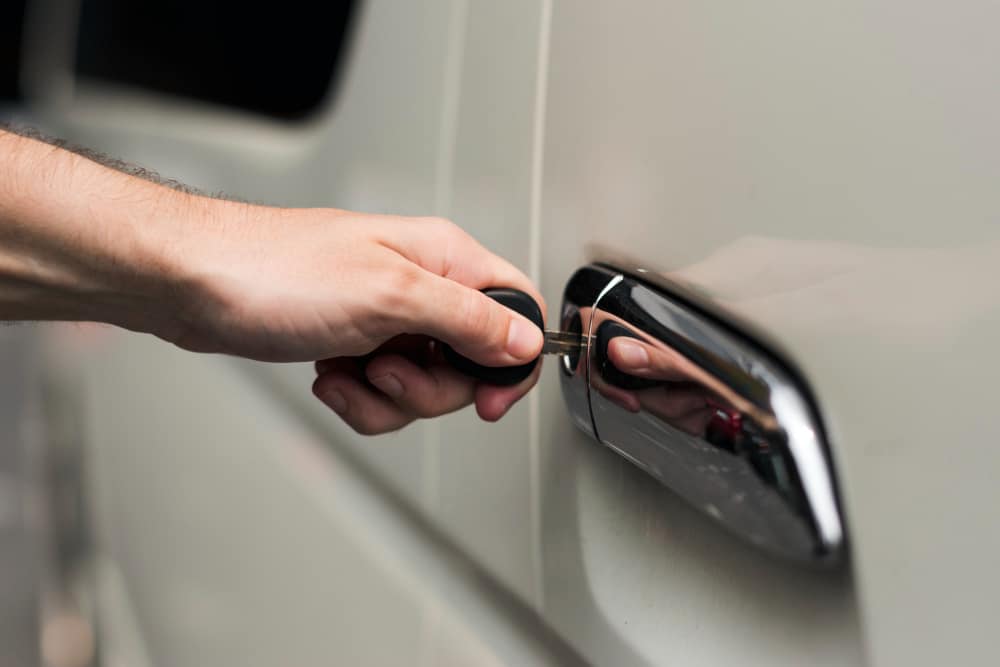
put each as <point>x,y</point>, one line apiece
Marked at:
<point>475,325</point>
<point>643,360</point>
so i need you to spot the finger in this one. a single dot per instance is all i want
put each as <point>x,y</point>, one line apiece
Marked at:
<point>417,348</point>
<point>446,250</point>
<point>327,365</point>
<point>424,392</point>
<point>493,402</point>
<point>420,349</point>
<point>644,360</point>
<point>474,324</point>
<point>364,410</point>
<point>352,366</point>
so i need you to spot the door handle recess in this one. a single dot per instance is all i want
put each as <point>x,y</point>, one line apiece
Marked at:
<point>703,409</point>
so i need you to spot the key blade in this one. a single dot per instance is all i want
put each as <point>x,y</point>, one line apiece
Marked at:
<point>562,342</point>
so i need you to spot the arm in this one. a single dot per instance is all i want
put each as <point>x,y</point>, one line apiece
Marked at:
<point>80,241</point>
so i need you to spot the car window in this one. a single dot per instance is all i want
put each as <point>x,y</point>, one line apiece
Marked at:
<point>277,59</point>
<point>11,31</point>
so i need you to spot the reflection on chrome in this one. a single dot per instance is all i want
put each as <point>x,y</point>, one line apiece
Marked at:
<point>706,412</point>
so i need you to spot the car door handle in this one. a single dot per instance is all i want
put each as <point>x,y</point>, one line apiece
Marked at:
<point>703,408</point>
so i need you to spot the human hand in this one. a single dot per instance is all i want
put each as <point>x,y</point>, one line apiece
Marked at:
<point>82,242</point>
<point>366,295</point>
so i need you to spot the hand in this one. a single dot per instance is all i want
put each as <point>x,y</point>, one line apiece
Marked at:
<point>82,242</point>
<point>368,296</point>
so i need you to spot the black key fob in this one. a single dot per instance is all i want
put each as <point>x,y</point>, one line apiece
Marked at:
<point>503,376</point>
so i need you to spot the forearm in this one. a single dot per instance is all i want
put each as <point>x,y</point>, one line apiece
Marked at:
<point>80,241</point>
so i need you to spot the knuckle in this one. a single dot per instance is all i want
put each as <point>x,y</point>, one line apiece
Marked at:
<point>391,299</point>
<point>449,234</point>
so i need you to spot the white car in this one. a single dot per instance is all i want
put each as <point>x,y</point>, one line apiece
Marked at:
<point>795,204</point>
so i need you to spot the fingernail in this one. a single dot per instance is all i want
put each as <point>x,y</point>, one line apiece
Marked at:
<point>335,400</point>
<point>632,354</point>
<point>389,384</point>
<point>523,339</point>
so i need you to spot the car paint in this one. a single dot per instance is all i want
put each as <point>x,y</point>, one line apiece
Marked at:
<point>820,175</point>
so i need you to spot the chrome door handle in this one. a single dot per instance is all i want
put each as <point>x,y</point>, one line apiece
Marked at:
<point>703,409</point>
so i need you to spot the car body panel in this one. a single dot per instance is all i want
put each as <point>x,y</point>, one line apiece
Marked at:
<point>298,557</point>
<point>486,496</point>
<point>797,168</point>
<point>825,176</point>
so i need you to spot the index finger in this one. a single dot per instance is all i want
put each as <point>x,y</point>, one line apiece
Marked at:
<point>446,250</point>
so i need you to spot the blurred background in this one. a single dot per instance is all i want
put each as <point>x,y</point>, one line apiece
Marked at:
<point>244,55</point>
<point>158,507</point>
<point>259,60</point>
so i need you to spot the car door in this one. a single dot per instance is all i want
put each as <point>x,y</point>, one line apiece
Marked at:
<point>819,176</point>
<point>789,168</point>
<point>603,553</point>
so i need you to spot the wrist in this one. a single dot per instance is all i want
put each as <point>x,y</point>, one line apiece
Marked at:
<point>79,241</point>
<point>145,277</point>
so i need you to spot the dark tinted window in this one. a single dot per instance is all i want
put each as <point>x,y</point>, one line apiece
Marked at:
<point>274,58</point>
<point>11,24</point>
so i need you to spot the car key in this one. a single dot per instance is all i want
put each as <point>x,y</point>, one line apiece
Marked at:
<point>556,342</point>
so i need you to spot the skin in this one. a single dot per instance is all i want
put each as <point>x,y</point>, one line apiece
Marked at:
<point>681,400</point>
<point>365,296</point>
